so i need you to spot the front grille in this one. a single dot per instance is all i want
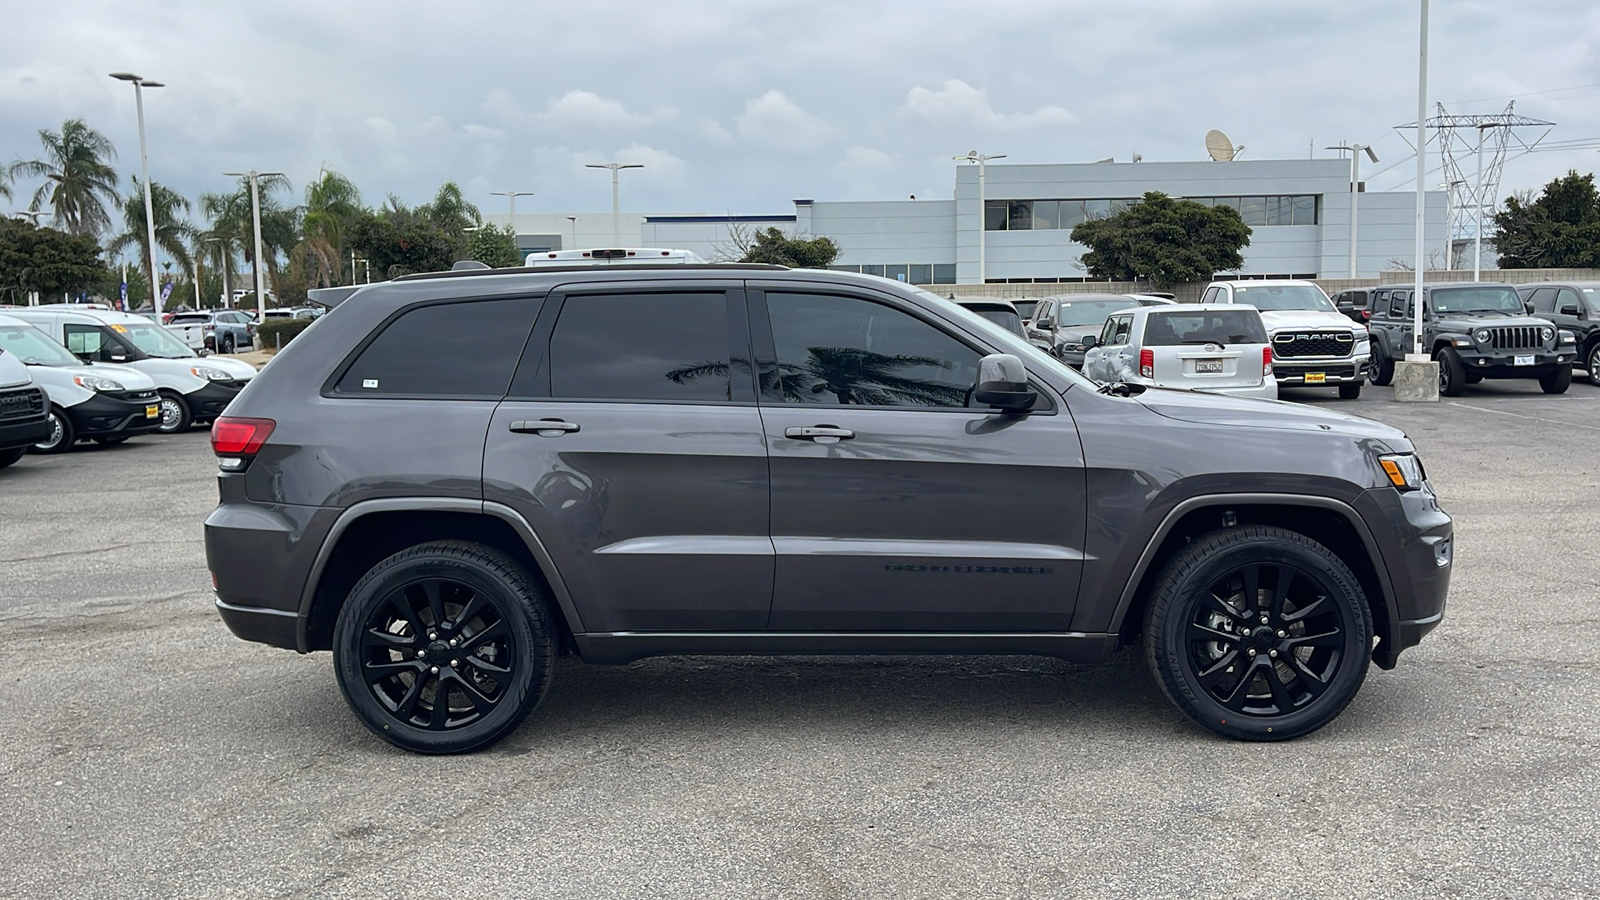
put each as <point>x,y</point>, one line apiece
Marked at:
<point>27,403</point>
<point>1291,344</point>
<point>134,396</point>
<point>1515,337</point>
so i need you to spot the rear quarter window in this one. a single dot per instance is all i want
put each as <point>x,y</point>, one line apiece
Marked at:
<point>462,350</point>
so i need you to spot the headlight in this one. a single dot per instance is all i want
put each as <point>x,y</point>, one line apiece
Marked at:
<point>1549,334</point>
<point>96,383</point>
<point>1482,335</point>
<point>1404,470</point>
<point>1568,337</point>
<point>209,373</point>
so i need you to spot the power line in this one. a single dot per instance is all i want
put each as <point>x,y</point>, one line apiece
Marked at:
<point>1575,87</point>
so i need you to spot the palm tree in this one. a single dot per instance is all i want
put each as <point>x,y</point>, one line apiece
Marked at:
<point>172,231</point>
<point>231,221</point>
<point>5,182</point>
<point>77,175</point>
<point>333,204</point>
<point>450,209</point>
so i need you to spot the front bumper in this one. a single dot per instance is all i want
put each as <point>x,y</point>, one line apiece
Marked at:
<point>208,402</point>
<point>1339,370</point>
<point>1504,365</point>
<point>104,415</point>
<point>25,433</point>
<point>1417,541</point>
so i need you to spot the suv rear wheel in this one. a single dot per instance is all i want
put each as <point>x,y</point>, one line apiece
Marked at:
<point>444,647</point>
<point>1258,633</point>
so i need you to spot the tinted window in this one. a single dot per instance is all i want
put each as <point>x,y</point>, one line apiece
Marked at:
<point>665,347</point>
<point>1119,329</point>
<point>843,351</point>
<point>1567,302</point>
<point>1220,326</point>
<point>1543,300</point>
<point>447,349</point>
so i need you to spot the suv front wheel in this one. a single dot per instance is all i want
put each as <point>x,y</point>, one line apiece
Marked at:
<point>444,647</point>
<point>1258,633</point>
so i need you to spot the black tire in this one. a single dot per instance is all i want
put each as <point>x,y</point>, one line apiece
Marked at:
<point>402,616</point>
<point>1452,374</point>
<point>1350,391</point>
<point>175,416</point>
<point>1473,377</point>
<point>1382,371</point>
<point>11,455</point>
<point>1289,686</point>
<point>227,343</point>
<point>1556,381</point>
<point>1593,363</point>
<point>62,435</point>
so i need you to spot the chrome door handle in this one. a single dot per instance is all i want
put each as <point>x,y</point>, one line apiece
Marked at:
<point>544,427</point>
<point>821,434</point>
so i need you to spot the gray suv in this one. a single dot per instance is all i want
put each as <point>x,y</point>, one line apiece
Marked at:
<point>453,478</point>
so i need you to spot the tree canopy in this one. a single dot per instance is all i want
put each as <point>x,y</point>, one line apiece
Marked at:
<point>492,246</point>
<point>45,260</point>
<point>1559,229</point>
<point>773,246</point>
<point>78,178</point>
<point>1164,241</point>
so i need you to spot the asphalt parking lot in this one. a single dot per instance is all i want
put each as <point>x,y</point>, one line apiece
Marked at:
<point>149,753</point>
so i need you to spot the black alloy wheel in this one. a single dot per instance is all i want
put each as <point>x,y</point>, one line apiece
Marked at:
<point>1381,371</point>
<point>1258,633</point>
<point>62,436</point>
<point>1594,363</point>
<point>444,647</point>
<point>175,415</point>
<point>1452,374</point>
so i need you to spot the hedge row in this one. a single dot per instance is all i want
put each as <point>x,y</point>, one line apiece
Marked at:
<point>277,333</point>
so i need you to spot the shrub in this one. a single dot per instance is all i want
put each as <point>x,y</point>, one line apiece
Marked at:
<point>277,333</point>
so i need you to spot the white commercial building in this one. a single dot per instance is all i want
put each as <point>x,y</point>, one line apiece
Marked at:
<point>1298,211</point>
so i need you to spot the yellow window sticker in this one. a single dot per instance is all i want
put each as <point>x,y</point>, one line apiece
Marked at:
<point>119,329</point>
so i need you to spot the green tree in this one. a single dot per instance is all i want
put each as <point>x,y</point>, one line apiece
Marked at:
<point>232,227</point>
<point>398,241</point>
<point>46,260</point>
<point>492,246</point>
<point>1559,229</point>
<point>773,246</point>
<point>1164,241</point>
<point>77,173</point>
<point>450,210</point>
<point>332,207</point>
<point>172,230</point>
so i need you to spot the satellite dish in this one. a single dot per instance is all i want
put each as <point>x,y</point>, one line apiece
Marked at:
<point>1218,145</point>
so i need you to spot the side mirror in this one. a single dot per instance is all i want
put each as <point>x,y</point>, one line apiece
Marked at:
<point>1527,307</point>
<point>1569,310</point>
<point>1003,383</point>
<point>1090,342</point>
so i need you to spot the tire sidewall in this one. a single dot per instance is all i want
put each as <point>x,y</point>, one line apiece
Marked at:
<point>57,417</point>
<point>532,672</point>
<point>1452,375</point>
<point>1170,649</point>
<point>185,417</point>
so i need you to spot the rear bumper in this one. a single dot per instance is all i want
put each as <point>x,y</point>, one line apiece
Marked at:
<point>1266,390</point>
<point>264,626</point>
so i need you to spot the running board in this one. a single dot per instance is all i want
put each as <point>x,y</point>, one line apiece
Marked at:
<point>612,648</point>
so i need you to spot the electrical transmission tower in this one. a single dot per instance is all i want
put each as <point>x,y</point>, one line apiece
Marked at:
<point>1474,196</point>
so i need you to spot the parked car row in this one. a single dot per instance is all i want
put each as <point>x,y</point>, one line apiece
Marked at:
<point>106,376</point>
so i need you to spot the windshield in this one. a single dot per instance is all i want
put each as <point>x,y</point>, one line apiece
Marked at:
<point>33,347</point>
<point>1284,296</point>
<point>153,340</point>
<point>1090,312</point>
<point>1476,299</point>
<point>1005,318</point>
<point>1215,326</point>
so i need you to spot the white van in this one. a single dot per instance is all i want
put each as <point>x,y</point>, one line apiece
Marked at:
<point>108,404</point>
<point>22,410</point>
<point>622,255</point>
<point>191,388</point>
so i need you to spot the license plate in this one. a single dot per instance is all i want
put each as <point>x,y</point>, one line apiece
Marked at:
<point>152,412</point>
<point>1208,365</point>
<point>1523,360</point>
<point>1316,378</point>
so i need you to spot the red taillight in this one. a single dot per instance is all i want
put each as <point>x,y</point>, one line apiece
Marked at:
<point>236,436</point>
<point>1266,361</point>
<point>1147,363</point>
<point>1366,314</point>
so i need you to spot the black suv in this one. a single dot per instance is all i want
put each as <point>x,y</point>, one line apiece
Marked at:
<point>1575,307</point>
<point>1476,330</point>
<point>454,477</point>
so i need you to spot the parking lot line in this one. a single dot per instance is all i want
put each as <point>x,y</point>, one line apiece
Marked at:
<point>1501,412</point>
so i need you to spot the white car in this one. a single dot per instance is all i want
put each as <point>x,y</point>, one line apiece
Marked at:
<point>1312,342</point>
<point>190,388</point>
<point>108,404</point>
<point>1214,348</point>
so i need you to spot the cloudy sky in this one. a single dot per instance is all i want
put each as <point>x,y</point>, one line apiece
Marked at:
<point>743,106</point>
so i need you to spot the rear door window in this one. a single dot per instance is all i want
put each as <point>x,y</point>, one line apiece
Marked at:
<point>464,350</point>
<point>667,347</point>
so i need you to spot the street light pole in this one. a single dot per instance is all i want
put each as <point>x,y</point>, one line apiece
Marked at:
<point>574,221</point>
<point>1422,181</point>
<point>616,208</point>
<point>983,210</point>
<point>139,84</point>
<point>255,216</point>
<point>1355,190</point>
<point>512,196</point>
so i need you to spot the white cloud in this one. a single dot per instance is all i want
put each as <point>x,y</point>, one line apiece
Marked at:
<point>774,119</point>
<point>857,159</point>
<point>575,111</point>
<point>959,103</point>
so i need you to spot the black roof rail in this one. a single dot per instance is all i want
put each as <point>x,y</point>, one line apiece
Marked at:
<point>621,267</point>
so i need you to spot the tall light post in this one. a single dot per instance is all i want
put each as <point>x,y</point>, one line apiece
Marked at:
<point>1355,189</point>
<point>974,156</point>
<point>139,84</point>
<point>616,208</point>
<point>512,196</point>
<point>574,221</point>
<point>1422,182</point>
<point>223,254</point>
<point>255,215</point>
